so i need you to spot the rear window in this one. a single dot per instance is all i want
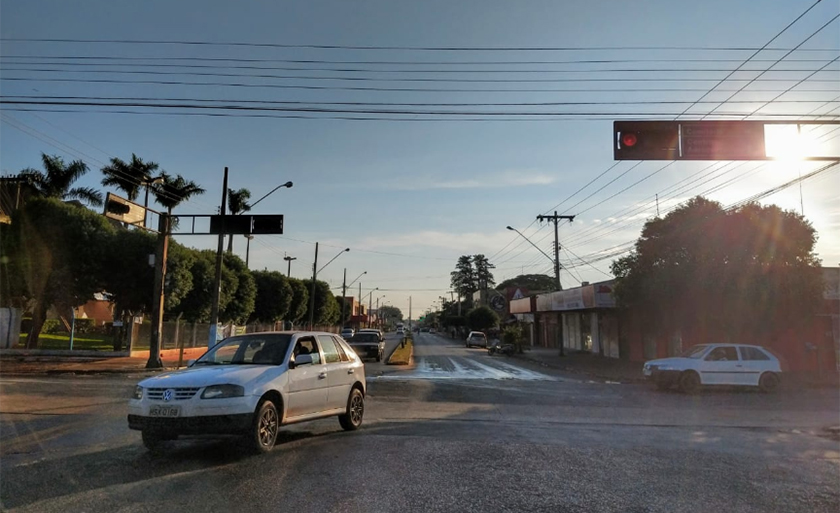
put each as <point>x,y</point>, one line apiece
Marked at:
<point>365,337</point>
<point>753,353</point>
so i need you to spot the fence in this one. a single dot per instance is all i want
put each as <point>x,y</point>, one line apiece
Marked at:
<point>187,334</point>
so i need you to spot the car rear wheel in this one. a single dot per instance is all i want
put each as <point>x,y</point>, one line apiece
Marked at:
<point>769,382</point>
<point>690,382</point>
<point>264,429</point>
<point>352,419</point>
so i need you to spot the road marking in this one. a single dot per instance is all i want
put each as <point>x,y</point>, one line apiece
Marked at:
<point>446,368</point>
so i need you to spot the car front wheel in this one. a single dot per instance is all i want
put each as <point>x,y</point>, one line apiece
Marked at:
<point>352,419</point>
<point>690,382</point>
<point>265,427</point>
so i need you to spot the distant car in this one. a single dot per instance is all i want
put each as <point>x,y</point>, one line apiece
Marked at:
<point>251,385</point>
<point>346,333</point>
<point>424,330</point>
<point>372,330</point>
<point>477,338</point>
<point>400,331</point>
<point>716,364</point>
<point>368,345</point>
<point>432,330</point>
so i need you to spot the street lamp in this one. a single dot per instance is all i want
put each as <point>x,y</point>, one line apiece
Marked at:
<point>370,303</point>
<point>344,286</point>
<point>378,315</point>
<point>315,272</point>
<point>146,183</point>
<point>287,185</point>
<point>249,237</point>
<point>289,260</point>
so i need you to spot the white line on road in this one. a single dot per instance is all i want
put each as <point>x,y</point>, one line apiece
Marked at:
<point>432,370</point>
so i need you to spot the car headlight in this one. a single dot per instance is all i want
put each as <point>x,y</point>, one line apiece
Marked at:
<point>222,391</point>
<point>138,392</point>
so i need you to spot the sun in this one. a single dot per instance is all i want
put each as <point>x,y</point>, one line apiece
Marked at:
<point>789,142</point>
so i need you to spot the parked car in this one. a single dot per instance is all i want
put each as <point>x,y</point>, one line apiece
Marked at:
<point>424,330</point>
<point>347,333</point>
<point>432,330</point>
<point>477,338</point>
<point>716,364</point>
<point>368,345</point>
<point>251,385</point>
<point>400,331</point>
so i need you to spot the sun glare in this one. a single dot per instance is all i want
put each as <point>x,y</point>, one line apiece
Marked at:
<point>787,142</point>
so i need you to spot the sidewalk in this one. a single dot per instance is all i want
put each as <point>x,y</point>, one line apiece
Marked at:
<point>595,366</point>
<point>33,362</point>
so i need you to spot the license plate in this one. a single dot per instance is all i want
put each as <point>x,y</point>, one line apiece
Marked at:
<point>164,411</point>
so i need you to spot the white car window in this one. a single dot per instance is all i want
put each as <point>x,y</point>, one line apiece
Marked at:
<point>341,352</point>
<point>723,354</point>
<point>308,346</point>
<point>348,351</point>
<point>753,354</point>
<point>330,351</point>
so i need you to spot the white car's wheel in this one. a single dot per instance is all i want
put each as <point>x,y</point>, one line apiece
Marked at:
<point>769,382</point>
<point>264,429</point>
<point>352,419</point>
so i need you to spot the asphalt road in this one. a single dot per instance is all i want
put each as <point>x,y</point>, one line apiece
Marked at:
<point>458,431</point>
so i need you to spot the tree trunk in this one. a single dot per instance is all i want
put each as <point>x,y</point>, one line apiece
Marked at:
<point>39,317</point>
<point>230,244</point>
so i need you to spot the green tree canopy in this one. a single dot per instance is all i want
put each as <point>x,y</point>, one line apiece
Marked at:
<point>392,313</point>
<point>482,318</point>
<point>197,303</point>
<point>463,278</point>
<point>326,308</point>
<point>747,270</point>
<point>274,296</point>
<point>60,251</point>
<point>241,305</point>
<point>300,300</point>
<point>532,282</point>
<point>57,179</point>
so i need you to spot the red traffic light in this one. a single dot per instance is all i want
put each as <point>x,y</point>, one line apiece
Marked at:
<point>628,140</point>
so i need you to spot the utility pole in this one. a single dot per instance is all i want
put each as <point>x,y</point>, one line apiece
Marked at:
<point>556,219</point>
<point>409,313</point>
<point>370,307</point>
<point>289,260</point>
<point>312,293</point>
<point>217,284</point>
<point>360,302</point>
<point>657,205</point>
<point>343,297</point>
<point>248,249</point>
<point>161,255</point>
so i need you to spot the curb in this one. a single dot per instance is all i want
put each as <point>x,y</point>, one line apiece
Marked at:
<point>410,355</point>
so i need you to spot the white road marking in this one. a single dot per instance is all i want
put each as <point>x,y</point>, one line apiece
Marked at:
<point>472,369</point>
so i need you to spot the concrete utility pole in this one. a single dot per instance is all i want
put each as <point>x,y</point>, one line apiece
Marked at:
<point>312,293</point>
<point>556,219</point>
<point>248,250</point>
<point>217,284</point>
<point>161,255</point>
<point>343,297</point>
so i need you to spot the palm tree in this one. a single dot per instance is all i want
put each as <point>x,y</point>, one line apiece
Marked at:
<point>237,204</point>
<point>57,179</point>
<point>171,191</point>
<point>129,176</point>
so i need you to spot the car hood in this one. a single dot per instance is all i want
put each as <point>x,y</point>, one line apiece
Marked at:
<point>202,376</point>
<point>669,361</point>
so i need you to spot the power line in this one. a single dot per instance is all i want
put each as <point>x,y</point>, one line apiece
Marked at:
<point>383,47</point>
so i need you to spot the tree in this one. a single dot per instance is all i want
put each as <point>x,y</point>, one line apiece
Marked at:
<point>513,334</point>
<point>482,318</point>
<point>300,300</point>
<point>742,272</point>
<point>392,313</point>
<point>173,190</point>
<point>57,179</point>
<point>274,296</point>
<point>483,275</point>
<point>241,304</point>
<point>326,308</point>
<point>531,282</point>
<point>61,252</point>
<point>128,177</point>
<point>464,279</point>
<point>197,303</point>
<point>237,204</point>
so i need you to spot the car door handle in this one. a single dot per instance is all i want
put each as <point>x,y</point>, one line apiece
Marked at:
<point>351,371</point>
<point>322,375</point>
<point>739,365</point>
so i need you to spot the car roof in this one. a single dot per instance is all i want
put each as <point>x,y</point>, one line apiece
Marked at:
<point>288,332</point>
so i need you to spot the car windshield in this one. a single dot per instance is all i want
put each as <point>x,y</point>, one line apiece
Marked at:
<point>267,349</point>
<point>694,352</point>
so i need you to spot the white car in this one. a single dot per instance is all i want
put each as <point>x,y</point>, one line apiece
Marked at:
<point>251,385</point>
<point>477,338</point>
<point>716,364</point>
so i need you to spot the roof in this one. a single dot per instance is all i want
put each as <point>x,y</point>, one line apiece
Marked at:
<point>284,333</point>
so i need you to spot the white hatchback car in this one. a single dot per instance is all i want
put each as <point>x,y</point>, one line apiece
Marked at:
<point>250,385</point>
<point>716,364</point>
<point>477,338</point>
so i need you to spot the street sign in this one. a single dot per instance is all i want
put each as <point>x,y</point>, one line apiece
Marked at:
<point>689,140</point>
<point>123,210</point>
<point>263,224</point>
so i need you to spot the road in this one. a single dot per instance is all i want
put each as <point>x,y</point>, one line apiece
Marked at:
<point>458,431</point>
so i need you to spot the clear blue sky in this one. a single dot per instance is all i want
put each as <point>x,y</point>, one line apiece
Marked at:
<point>426,192</point>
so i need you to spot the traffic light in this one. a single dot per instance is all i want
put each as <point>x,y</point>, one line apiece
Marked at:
<point>646,140</point>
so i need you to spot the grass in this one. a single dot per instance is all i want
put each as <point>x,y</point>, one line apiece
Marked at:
<point>90,342</point>
<point>402,355</point>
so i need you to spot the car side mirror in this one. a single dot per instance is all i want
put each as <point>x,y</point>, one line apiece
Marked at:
<point>302,359</point>
<point>190,362</point>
